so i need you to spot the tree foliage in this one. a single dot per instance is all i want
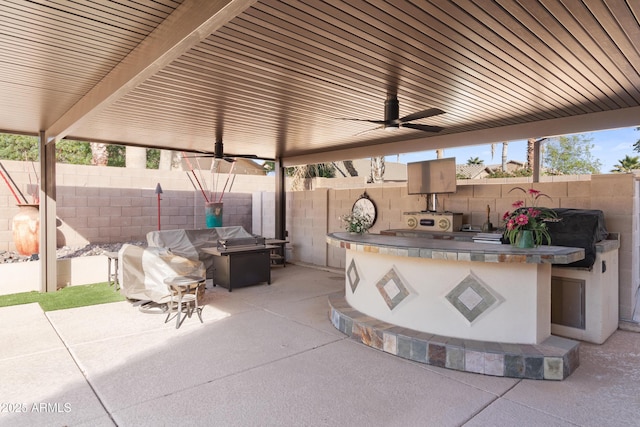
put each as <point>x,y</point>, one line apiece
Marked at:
<point>73,152</point>
<point>627,164</point>
<point>153,158</point>
<point>474,161</point>
<point>18,147</point>
<point>270,166</point>
<point>498,173</point>
<point>117,155</point>
<point>25,148</point>
<point>570,155</point>
<point>636,146</point>
<point>322,170</point>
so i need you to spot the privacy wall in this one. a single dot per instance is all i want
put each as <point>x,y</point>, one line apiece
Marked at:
<point>105,205</point>
<point>110,205</point>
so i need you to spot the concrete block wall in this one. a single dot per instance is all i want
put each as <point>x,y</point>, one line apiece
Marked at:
<point>307,225</point>
<point>617,197</point>
<point>102,205</point>
<point>110,205</point>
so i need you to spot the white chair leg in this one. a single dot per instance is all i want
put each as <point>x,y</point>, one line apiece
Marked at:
<point>183,288</point>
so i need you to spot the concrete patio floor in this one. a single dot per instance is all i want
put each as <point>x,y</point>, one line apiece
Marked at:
<point>268,355</point>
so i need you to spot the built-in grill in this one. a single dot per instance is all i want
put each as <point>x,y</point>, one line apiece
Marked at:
<point>578,228</point>
<point>584,294</point>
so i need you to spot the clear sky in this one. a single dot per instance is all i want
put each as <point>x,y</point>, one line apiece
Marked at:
<point>609,147</point>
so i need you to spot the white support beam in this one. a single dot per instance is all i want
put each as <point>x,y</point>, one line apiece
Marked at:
<point>592,122</point>
<point>537,159</point>
<point>192,22</point>
<point>47,251</point>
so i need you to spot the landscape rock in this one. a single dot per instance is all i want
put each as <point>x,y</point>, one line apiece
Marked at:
<point>91,249</point>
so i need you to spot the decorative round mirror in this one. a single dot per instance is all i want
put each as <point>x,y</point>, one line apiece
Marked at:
<point>365,206</point>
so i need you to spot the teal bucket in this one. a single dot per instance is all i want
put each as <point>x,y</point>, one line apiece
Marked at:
<point>213,214</point>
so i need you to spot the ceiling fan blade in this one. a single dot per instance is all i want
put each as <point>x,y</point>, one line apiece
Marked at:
<point>199,156</point>
<point>369,130</point>
<point>226,157</point>
<point>242,156</point>
<point>425,128</point>
<point>377,122</point>
<point>421,115</point>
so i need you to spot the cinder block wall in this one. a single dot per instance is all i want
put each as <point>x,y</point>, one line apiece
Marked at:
<point>109,205</point>
<point>615,194</point>
<point>102,205</point>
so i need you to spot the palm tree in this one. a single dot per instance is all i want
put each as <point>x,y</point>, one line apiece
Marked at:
<point>474,161</point>
<point>530,152</point>
<point>627,164</point>
<point>348,164</point>
<point>504,154</point>
<point>377,169</point>
<point>99,153</point>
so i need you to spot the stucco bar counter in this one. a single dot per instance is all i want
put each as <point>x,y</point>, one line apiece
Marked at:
<point>475,307</point>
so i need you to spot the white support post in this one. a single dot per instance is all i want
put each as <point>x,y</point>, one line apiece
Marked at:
<point>48,271</point>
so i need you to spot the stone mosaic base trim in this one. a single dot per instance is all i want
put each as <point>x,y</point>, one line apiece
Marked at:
<point>554,359</point>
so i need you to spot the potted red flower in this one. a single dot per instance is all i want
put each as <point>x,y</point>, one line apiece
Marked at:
<point>526,224</point>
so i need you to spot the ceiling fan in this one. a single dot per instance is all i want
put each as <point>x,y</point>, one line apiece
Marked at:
<point>393,122</point>
<point>218,153</point>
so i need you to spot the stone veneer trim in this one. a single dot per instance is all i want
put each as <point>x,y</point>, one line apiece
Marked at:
<point>554,359</point>
<point>487,253</point>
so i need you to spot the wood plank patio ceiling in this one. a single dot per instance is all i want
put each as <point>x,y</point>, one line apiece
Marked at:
<point>275,77</point>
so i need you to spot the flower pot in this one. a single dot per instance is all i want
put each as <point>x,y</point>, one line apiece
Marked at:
<point>213,214</point>
<point>26,230</point>
<point>525,239</point>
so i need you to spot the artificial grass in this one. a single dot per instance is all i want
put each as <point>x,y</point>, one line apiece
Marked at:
<point>69,297</point>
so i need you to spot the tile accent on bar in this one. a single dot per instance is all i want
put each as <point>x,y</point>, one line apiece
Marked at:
<point>392,289</point>
<point>353,276</point>
<point>554,359</point>
<point>471,298</point>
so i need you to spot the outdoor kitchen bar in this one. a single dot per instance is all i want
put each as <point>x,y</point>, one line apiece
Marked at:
<point>463,305</point>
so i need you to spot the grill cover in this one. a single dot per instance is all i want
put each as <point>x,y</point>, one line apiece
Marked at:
<point>578,228</point>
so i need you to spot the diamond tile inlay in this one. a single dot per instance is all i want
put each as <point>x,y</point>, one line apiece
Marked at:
<point>392,289</point>
<point>471,298</point>
<point>353,276</point>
